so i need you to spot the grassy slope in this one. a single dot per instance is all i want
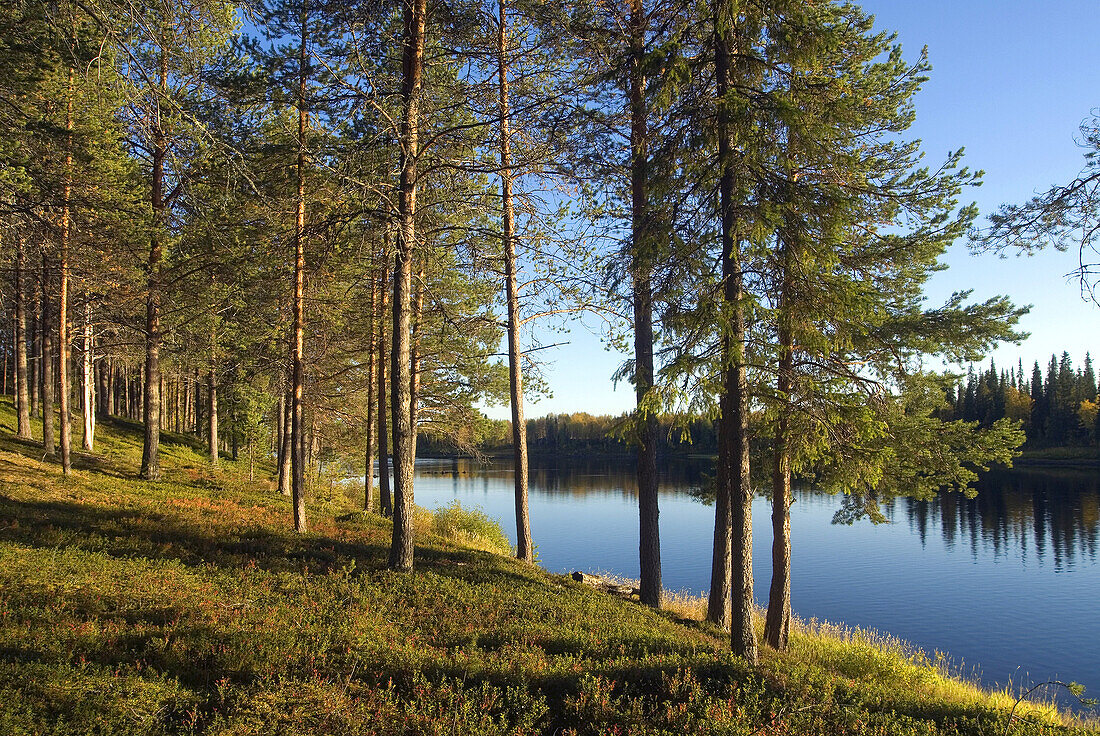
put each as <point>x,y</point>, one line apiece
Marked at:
<point>190,606</point>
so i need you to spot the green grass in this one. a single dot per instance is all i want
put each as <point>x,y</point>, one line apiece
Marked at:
<point>469,527</point>
<point>189,606</point>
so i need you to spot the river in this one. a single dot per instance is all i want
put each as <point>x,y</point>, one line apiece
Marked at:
<point>1006,584</point>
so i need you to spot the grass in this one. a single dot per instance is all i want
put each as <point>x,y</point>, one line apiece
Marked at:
<point>469,527</point>
<point>189,606</point>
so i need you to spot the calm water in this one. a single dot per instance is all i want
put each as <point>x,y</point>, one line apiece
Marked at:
<point>1007,584</point>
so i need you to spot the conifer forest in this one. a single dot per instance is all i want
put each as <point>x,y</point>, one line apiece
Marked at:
<point>319,234</point>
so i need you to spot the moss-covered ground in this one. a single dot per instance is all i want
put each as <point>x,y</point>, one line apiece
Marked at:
<point>189,606</point>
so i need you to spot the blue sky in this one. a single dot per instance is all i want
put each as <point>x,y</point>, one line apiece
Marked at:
<point>1011,82</point>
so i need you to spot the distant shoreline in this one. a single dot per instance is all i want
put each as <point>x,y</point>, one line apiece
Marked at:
<point>1040,461</point>
<point>1062,457</point>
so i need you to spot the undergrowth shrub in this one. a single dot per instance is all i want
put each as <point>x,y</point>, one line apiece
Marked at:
<point>470,527</point>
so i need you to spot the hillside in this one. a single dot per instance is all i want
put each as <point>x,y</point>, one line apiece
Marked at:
<point>189,606</point>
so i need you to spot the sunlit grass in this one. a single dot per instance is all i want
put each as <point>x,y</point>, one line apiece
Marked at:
<point>467,527</point>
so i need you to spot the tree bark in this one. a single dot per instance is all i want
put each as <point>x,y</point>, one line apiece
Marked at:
<point>733,448</point>
<point>63,346</point>
<point>150,453</point>
<point>404,433</point>
<point>718,602</point>
<point>297,457</point>
<point>105,404</point>
<point>177,405</point>
<point>372,370</point>
<point>88,404</point>
<point>277,442</point>
<point>524,546</point>
<point>212,394</point>
<point>777,624</point>
<point>122,384</point>
<point>414,355</point>
<point>186,399</point>
<point>212,414</point>
<point>287,418</point>
<point>49,443</point>
<point>385,499</point>
<point>23,390</point>
<point>200,406</point>
<point>643,243</point>
<point>35,340</point>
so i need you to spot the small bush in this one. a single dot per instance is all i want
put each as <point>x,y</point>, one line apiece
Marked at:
<point>470,527</point>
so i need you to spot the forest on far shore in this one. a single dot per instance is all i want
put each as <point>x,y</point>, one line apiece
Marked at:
<point>1057,408</point>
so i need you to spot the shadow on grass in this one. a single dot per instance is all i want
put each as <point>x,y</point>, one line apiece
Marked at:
<point>144,533</point>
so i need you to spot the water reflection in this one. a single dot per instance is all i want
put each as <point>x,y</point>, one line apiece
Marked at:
<point>572,478</point>
<point>1043,517</point>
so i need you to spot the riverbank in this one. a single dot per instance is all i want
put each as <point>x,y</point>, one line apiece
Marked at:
<point>189,606</point>
<point>1060,457</point>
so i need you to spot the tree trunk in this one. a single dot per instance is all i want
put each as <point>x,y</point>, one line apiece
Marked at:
<point>280,425</point>
<point>177,406</point>
<point>23,389</point>
<point>524,547</point>
<point>414,355</point>
<point>733,449</point>
<point>718,603</point>
<point>49,443</point>
<point>286,408</point>
<point>122,383</point>
<point>372,360</point>
<point>777,624</point>
<point>212,394</point>
<point>105,405</point>
<point>276,444</point>
<point>314,457</point>
<point>87,407</point>
<point>404,433</point>
<point>385,498</point>
<point>36,356</point>
<point>297,459</point>
<point>150,453</point>
<point>212,413</point>
<point>644,241</point>
<point>185,402</point>
<point>63,346</point>
<point>199,429</point>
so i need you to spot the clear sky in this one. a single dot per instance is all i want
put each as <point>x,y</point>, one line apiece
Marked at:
<point>1011,82</point>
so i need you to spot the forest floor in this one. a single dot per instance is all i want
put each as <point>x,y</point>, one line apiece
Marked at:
<point>189,606</point>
